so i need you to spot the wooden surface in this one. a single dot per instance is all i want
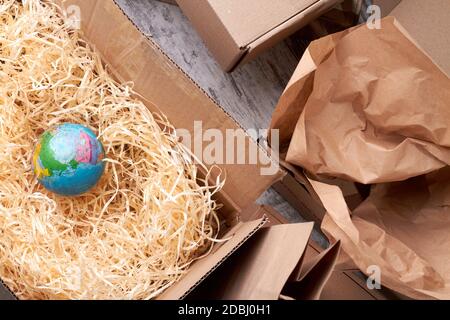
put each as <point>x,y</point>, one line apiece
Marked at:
<point>249,94</point>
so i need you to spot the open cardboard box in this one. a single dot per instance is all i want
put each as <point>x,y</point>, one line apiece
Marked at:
<point>237,31</point>
<point>131,56</point>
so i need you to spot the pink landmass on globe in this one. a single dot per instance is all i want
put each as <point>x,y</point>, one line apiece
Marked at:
<point>84,149</point>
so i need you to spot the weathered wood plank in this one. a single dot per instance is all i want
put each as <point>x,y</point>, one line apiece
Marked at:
<point>249,94</point>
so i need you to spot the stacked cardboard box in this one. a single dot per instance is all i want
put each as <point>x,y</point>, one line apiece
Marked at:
<point>237,31</point>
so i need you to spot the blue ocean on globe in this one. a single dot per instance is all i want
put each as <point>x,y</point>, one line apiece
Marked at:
<point>68,158</point>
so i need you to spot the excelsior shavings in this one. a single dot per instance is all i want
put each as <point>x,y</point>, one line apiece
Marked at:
<point>147,220</point>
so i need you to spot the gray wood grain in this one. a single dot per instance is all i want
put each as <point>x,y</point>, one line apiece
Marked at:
<point>249,94</point>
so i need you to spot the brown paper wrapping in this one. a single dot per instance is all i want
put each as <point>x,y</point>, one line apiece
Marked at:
<point>367,106</point>
<point>402,227</point>
<point>370,106</point>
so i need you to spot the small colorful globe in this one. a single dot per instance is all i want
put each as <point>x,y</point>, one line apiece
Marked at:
<point>68,158</point>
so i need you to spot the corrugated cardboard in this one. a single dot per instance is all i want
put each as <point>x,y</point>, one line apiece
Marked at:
<point>164,87</point>
<point>236,31</point>
<point>272,265</point>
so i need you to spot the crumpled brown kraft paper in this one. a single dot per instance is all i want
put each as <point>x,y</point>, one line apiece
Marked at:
<point>402,227</point>
<point>367,106</point>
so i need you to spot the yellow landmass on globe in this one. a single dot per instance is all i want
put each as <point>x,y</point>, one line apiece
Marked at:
<point>38,170</point>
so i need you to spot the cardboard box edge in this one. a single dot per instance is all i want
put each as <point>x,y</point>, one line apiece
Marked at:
<point>285,29</point>
<point>171,293</point>
<point>226,52</point>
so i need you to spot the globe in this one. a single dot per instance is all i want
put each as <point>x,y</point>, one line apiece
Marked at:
<point>68,158</point>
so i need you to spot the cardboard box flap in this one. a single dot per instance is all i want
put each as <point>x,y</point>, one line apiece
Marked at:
<point>312,275</point>
<point>279,262</point>
<point>133,57</point>
<point>260,269</point>
<point>268,261</point>
<point>428,23</point>
<point>202,268</point>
